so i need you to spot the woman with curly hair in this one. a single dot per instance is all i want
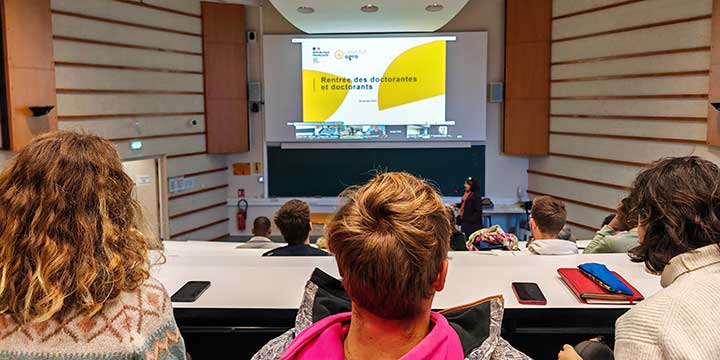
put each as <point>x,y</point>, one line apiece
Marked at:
<point>677,201</point>
<point>74,268</point>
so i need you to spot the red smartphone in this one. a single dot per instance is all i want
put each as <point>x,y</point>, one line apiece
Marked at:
<point>528,293</point>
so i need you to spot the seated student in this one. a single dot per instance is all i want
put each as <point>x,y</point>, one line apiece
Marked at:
<point>458,239</point>
<point>293,220</point>
<point>678,203</point>
<point>620,235</point>
<point>74,267</point>
<point>391,242</point>
<point>547,218</point>
<point>262,228</point>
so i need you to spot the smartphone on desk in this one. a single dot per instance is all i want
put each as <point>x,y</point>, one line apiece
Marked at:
<point>190,292</point>
<point>528,293</point>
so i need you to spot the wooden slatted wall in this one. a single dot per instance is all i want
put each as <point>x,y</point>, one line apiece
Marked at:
<point>629,84</point>
<point>130,70</point>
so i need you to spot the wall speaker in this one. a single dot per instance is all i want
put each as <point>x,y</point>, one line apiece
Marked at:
<point>496,92</point>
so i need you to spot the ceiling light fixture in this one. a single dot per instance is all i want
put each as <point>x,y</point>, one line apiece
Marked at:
<point>435,7</point>
<point>305,10</point>
<point>369,8</point>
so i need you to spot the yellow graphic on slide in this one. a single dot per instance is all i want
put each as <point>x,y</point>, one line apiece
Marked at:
<point>319,105</point>
<point>416,74</point>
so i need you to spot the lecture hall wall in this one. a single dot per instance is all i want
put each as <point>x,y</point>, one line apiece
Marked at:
<point>130,70</point>
<point>477,15</point>
<point>629,84</point>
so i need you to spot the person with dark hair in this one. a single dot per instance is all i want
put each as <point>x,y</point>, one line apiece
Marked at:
<point>678,205</point>
<point>547,220</point>
<point>607,220</point>
<point>618,236</point>
<point>470,209</point>
<point>293,220</point>
<point>457,239</point>
<point>262,228</point>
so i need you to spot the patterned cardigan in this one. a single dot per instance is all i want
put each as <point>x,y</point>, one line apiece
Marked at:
<point>136,325</point>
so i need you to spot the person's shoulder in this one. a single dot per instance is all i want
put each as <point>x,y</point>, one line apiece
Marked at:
<point>316,251</point>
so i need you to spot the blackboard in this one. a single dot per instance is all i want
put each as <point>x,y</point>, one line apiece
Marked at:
<point>327,172</point>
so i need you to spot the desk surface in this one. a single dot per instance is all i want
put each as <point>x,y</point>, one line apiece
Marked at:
<point>242,279</point>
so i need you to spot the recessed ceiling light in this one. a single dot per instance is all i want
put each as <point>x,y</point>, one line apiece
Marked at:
<point>305,10</point>
<point>369,8</point>
<point>435,7</point>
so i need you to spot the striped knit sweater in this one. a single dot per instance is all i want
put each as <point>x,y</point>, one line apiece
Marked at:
<point>136,325</point>
<point>681,321</point>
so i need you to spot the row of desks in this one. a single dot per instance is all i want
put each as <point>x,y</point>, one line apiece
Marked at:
<point>254,298</point>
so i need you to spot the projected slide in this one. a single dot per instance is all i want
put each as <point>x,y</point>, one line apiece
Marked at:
<point>353,87</point>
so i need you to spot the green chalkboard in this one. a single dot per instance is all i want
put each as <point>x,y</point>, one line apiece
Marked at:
<point>327,172</point>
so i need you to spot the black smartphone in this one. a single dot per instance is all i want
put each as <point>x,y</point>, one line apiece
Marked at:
<point>528,293</point>
<point>190,292</point>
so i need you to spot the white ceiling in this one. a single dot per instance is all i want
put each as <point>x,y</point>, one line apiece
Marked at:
<point>344,16</point>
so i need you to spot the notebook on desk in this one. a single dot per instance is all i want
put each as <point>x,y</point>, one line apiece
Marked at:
<point>591,293</point>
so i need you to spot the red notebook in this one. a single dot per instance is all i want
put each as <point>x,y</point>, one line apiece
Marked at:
<point>590,292</point>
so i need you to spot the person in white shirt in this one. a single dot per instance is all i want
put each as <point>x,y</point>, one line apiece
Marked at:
<point>678,207</point>
<point>547,219</point>
<point>262,228</point>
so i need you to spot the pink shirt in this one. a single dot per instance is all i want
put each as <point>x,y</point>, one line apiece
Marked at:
<point>324,340</point>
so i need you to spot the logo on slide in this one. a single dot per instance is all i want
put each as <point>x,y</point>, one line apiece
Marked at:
<point>339,54</point>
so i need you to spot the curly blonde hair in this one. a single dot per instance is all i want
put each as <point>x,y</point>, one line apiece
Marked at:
<point>69,229</point>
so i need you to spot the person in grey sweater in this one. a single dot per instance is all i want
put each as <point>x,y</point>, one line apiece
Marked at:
<point>678,206</point>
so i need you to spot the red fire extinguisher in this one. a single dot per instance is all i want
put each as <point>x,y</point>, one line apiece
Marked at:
<point>242,206</point>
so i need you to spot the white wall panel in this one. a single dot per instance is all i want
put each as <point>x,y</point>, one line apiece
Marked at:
<point>168,146</point>
<point>585,215</point>
<point>670,107</point>
<point>629,150</point>
<point>592,194</point>
<point>96,30</point>
<point>128,13</point>
<point>190,164</point>
<point>98,104</point>
<point>585,169</point>
<point>71,77</point>
<point>198,219</point>
<point>562,7</point>
<point>676,85</point>
<point>211,232</point>
<point>676,36</point>
<point>128,127</point>
<point>646,128</point>
<point>635,14</point>
<point>189,203</point>
<point>71,51</point>
<point>188,6</point>
<point>690,61</point>
<point>203,182</point>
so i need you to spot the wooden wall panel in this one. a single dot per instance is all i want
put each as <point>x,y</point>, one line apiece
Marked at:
<point>225,78</point>
<point>29,69</point>
<point>527,76</point>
